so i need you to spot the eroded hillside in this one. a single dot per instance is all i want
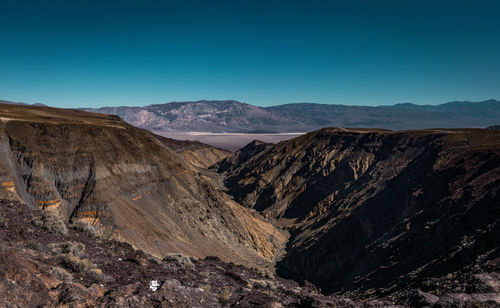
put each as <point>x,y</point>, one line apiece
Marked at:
<point>375,211</point>
<point>126,183</point>
<point>45,268</point>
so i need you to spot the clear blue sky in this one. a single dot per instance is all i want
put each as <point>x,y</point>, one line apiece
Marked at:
<point>106,53</point>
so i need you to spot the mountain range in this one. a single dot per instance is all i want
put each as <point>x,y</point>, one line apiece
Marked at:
<point>236,117</point>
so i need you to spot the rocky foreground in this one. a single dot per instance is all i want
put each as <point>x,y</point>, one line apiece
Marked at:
<point>52,264</point>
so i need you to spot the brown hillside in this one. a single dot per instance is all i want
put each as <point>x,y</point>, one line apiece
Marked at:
<point>126,183</point>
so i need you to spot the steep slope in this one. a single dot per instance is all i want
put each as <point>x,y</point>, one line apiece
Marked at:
<point>250,151</point>
<point>126,183</point>
<point>233,116</point>
<point>376,211</point>
<point>39,270</point>
<point>196,153</point>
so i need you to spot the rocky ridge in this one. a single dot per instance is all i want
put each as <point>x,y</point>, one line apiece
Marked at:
<point>127,184</point>
<point>204,116</point>
<point>376,212</point>
<point>198,154</point>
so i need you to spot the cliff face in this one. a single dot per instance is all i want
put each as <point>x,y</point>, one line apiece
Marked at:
<point>378,210</point>
<point>126,183</point>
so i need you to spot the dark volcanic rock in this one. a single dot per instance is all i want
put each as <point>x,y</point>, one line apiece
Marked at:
<point>380,212</point>
<point>28,275</point>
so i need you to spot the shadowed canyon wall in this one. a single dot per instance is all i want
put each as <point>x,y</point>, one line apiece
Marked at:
<point>375,209</point>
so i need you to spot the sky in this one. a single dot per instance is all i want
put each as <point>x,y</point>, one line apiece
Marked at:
<point>86,53</point>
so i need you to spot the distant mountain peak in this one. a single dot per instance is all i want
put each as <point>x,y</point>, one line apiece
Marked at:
<point>237,117</point>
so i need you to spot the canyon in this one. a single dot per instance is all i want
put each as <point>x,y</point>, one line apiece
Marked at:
<point>97,212</point>
<point>127,184</point>
<point>378,211</point>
